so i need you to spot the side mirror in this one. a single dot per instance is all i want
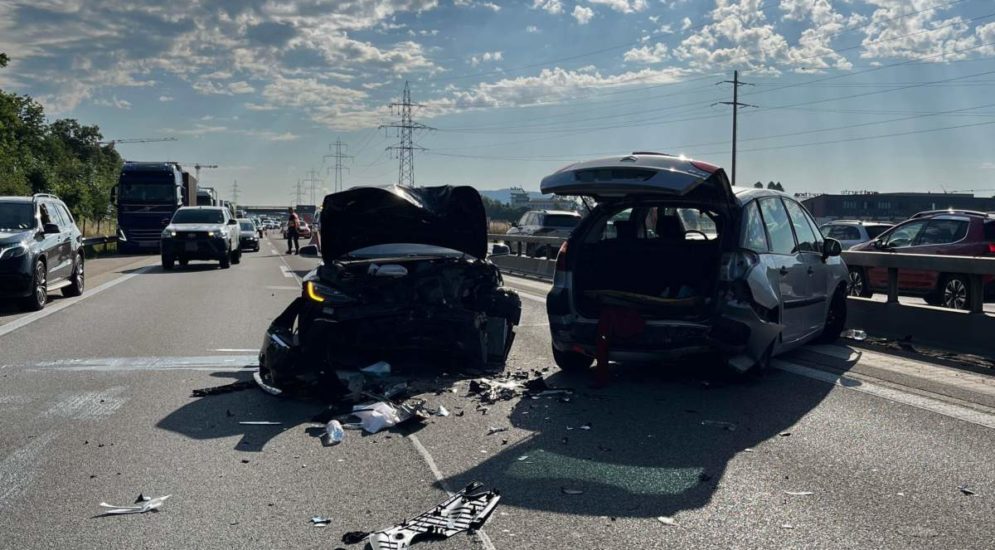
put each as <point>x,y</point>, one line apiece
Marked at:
<point>831,247</point>
<point>232,221</point>
<point>309,251</point>
<point>50,228</point>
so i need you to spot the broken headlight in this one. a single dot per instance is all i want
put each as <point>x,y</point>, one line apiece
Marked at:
<point>317,292</point>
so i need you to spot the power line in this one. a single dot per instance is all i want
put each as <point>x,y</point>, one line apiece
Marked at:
<point>406,127</point>
<point>312,179</point>
<point>736,105</point>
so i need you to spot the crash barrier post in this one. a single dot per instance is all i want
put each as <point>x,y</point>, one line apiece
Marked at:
<point>968,331</point>
<point>521,263</point>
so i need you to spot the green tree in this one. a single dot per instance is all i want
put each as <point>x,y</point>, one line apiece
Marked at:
<point>759,185</point>
<point>499,211</point>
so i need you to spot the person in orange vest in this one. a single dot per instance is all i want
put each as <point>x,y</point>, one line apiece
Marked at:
<point>293,222</point>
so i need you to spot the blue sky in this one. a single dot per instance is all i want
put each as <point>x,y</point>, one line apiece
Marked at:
<point>886,95</point>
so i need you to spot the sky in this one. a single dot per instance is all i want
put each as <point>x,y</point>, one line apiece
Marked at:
<point>879,95</point>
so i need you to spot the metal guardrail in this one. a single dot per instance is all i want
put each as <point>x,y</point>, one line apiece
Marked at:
<point>105,239</point>
<point>519,261</point>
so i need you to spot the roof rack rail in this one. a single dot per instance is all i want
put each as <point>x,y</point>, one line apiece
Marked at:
<point>44,195</point>
<point>950,211</point>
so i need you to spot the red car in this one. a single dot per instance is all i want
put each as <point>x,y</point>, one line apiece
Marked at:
<point>944,232</point>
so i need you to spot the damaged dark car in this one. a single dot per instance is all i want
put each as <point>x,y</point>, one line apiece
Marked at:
<point>403,279</point>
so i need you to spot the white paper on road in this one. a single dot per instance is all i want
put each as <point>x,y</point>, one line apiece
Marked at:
<point>376,416</point>
<point>146,506</point>
<point>259,423</point>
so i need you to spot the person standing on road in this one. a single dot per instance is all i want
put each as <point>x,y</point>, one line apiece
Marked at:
<point>293,222</point>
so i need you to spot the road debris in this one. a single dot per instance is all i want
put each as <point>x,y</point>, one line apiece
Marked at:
<point>523,457</point>
<point>259,423</point>
<point>854,334</point>
<point>374,417</point>
<point>727,426</point>
<point>585,426</point>
<point>666,520</point>
<point>264,386</point>
<point>354,537</point>
<point>227,388</point>
<point>380,368</point>
<point>567,491</point>
<point>441,411</point>
<point>799,493</point>
<point>334,434</point>
<point>319,521</point>
<point>146,505</point>
<point>964,489</point>
<point>467,510</point>
<point>785,434</point>
<point>492,430</point>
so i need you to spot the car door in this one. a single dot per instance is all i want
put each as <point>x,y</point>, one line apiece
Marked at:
<point>52,243</point>
<point>73,240</point>
<point>809,252</point>
<point>901,239</point>
<point>940,236</point>
<point>785,266</point>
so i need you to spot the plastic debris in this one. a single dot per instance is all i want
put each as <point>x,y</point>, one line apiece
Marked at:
<point>787,526</point>
<point>380,368</point>
<point>964,489</point>
<point>567,491</point>
<point>492,430</point>
<point>854,334</point>
<point>264,386</point>
<point>799,493</point>
<point>784,434</point>
<point>523,457</point>
<point>319,521</point>
<point>334,434</point>
<point>354,537</point>
<point>466,510</point>
<point>727,426</point>
<point>145,504</point>
<point>585,426</point>
<point>259,423</point>
<point>227,388</point>
<point>376,417</point>
<point>666,520</point>
<point>441,411</point>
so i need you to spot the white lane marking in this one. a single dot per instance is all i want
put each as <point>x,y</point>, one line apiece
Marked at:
<point>915,400</point>
<point>236,350</point>
<point>88,405</point>
<point>287,272</point>
<point>484,539</point>
<point>114,364</point>
<point>273,251</point>
<point>66,302</point>
<point>274,287</point>
<point>18,469</point>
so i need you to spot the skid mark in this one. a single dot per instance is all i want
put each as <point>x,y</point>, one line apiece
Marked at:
<point>88,405</point>
<point>17,471</point>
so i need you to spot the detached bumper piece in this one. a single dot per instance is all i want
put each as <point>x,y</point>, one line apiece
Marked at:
<point>466,510</point>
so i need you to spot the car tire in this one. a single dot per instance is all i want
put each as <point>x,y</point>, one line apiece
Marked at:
<point>955,292</point>
<point>571,361</point>
<point>168,262</point>
<point>835,318</point>
<point>39,288</point>
<point>225,260</point>
<point>77,280</point>
<point>858,285</point>
<point>183,262</point>
<point>236,256</point>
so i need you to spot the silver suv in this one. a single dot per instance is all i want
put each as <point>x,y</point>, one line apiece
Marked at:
<point>853,232</point>
<point>545,223</point>
<point>674,262</point>
<point>201,233</point>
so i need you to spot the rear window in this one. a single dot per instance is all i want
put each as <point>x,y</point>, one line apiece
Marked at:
<point>613,174</point>
<point>198,216</point>
<point>990,231</point>
<point>246,226</point>
<point>842,232</point>
<point>874,231</point>
<point>562,221</point>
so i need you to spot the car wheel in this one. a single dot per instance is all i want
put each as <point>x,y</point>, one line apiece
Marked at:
<point>835,318</point>
<point>236,257</point>
<point>39,288</point>
<point>956,293</point>
<point>225,260</point>
<point>858,283</point>
<point>183,262</point>
<point>571,361</point>
<point>167,262</point>
<point>77,280</point>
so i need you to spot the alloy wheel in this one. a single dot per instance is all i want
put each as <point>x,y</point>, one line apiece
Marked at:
<point>41,283</point>
<point>955,293</point>
<point>856,287</point>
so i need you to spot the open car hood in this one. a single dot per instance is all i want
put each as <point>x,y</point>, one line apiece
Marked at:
<point>641,174</point>
<point>447,216</point>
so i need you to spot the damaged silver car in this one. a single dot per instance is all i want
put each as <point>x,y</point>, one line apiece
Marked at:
<point>403,278</point>
<point>674,261</point>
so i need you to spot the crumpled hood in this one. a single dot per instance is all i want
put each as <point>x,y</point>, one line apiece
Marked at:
<point>195,227</point>
<point>447,216</point>
<point>7,237</point>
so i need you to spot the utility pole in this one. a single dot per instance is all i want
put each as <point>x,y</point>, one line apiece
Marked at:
<point>299,193</point>
<point>234,192</point>
<point>405,148</point>
<point>735,113</point>
<point>312,179</point>
<point>338,156</point>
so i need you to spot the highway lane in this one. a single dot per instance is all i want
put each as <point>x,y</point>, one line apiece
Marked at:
<point>882,472</point>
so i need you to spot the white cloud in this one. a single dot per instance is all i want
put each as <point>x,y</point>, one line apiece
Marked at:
<point>165,98</point>
<point>532,28</point>
<point>923,35</point>
<point>486,57</point>
<point>623,6</point>
<point>582,14</point>
<point>471,4</point>
<point>554,7</point>
<point>113,102</point>
<point>686,24</point>
<point>259,107</point>
<point>647,54</point>
<point>240,87</point>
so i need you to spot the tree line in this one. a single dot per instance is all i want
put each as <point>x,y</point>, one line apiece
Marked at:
<point>62,157</point>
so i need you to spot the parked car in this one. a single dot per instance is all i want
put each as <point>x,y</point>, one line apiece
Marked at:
<point>201,233</point>
<point>403,276</point>
<point>674,262</point>
<point>853,232</point>
<point>41,250</point>
<point>544,223</point>
<point>304,230</point>
<point>248,236</point>
<point>944,232</point>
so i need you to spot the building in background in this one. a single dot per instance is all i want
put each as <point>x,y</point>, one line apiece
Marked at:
<point>893,207</point>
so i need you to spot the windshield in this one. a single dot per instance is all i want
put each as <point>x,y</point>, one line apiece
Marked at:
<point>875,231</point>
<point>402,250</point>
<point>246,226</point>
<point>146,187</point>
<point>561,221</point>
<point>194,215</point>
<point>17,216</point>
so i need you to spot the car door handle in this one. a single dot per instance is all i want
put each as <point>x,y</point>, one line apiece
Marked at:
<point>783,271</point>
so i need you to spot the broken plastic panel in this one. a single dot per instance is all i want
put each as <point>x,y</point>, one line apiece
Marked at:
<point>143,504</point>
<point>466,510</point>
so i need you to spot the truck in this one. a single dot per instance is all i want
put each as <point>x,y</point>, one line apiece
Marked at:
<point>207,196</point>
<point>146,196</point>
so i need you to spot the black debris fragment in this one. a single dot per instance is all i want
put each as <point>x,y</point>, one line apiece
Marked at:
<point>354,537</point>
<point>227,388</point>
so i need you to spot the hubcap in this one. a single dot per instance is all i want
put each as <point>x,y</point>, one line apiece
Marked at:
<point>41,286</point>
<point>955,294</point>
<point>856,283</point>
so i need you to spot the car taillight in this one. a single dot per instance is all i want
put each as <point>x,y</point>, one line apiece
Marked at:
<point>991,248</point>
<point>561,257</point>
<point>736,265</point>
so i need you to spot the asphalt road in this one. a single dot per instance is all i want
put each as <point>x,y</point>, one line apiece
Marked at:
<point>96,407</point>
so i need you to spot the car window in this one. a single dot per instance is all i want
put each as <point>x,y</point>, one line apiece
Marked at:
<point>247,226</point>
<point>562,221</point>
<point>66,215</point>
<point>990,231</point>
<point>874,231</point>
<point>199,216</point>
<point>754,235</point>
<point>782,240</point>
<point>17,216</point>
<point>904,235</point>
<point>524,220</point>
<point>609,229</point>
<point>943,232</point>
<point>45,215</point>
<point>841,232</point>
<point>807,242</point>
<point>56,213</point>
